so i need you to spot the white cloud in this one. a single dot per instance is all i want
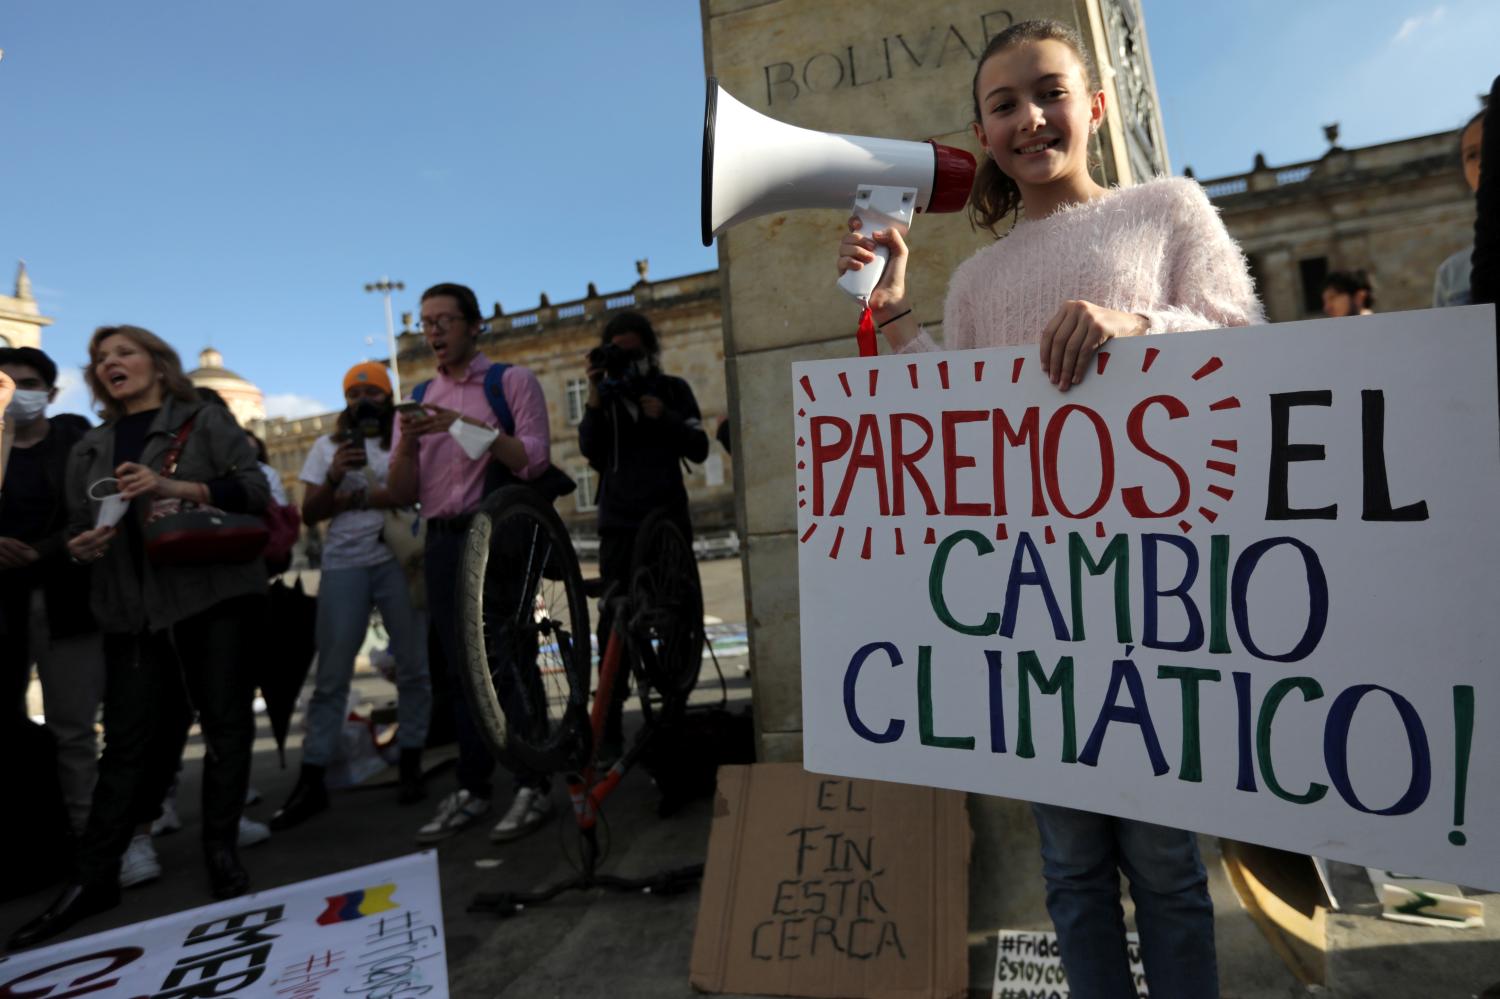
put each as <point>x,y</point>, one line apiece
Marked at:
<point>1411,25</point>
<point>292,406</point>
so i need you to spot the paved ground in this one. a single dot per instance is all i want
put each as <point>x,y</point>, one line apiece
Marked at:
<point>639,946</point>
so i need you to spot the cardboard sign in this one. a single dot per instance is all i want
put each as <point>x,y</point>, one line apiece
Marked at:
<point>1240,582</point>
<point>371,932</point>
<point>817,886</point>
<point>1028,965</point>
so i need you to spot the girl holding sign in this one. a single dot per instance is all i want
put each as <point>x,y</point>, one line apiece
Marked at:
<point>1085,264</point>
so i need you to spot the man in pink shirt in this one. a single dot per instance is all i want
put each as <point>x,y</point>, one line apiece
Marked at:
<point>429,464</point>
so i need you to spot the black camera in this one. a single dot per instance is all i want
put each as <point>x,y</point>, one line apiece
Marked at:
<point>620,378</point>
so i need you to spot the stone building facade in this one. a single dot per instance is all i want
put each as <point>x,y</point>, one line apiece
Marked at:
<point>21,320</point>
<point>552,340</point>
<point>1395,210</point>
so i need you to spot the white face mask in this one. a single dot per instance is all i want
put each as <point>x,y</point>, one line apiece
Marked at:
<point>26,405</point>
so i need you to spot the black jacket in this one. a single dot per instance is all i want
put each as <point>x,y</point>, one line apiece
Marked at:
<point>638,460</point>
<point>66,585</point>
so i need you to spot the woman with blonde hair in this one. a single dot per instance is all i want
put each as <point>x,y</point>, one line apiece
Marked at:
<point>177,636</point>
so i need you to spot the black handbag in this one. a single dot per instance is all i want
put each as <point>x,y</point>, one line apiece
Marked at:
<point>183,533</point>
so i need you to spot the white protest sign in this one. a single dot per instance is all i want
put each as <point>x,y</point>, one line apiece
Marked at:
<point>370,932</point>
<point>1028,965</point>
<point>1240,582</point>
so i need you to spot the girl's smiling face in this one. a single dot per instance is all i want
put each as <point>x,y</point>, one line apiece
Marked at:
<point>1036,113</point>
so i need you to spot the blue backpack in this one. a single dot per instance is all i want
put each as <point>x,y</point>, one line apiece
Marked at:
<point>494,391</point>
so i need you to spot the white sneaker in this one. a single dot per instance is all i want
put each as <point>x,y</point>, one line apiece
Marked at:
<point>252,832</point>
<point>457,811</point>
<point>168,822</point>
<point>139,864</point>
<point>527,813</point>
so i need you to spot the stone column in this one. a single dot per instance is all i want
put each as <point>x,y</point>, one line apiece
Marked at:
<point>883,68</point>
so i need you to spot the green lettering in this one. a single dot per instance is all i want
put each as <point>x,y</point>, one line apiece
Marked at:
<point>1311,691</point>
<point>1117,554</point>
<point>935,584</point>
<point>1192,757</point>
<point>1061,681</point>
<point>924,707</point>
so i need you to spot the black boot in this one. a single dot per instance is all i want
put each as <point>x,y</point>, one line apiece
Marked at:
<point>226,877</point>
<point>411,790</point>
<point>77,901</point>
<point>308,798</point>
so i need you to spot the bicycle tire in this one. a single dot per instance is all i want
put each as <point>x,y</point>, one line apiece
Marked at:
<point>666,598</point>
<point>517,554</point>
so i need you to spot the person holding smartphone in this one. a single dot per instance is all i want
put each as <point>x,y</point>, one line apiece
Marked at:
<point>345,474</point>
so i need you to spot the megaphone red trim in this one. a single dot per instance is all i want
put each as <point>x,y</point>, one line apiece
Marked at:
<point>952,178</point>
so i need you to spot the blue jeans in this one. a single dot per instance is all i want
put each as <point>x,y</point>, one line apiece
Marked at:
<point>345,598</point>
<point>1082,855</point>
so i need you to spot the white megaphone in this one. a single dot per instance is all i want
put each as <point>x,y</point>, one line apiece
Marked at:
<point>754,165</point>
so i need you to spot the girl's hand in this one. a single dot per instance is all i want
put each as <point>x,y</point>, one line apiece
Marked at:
<point>90,546</point>
<point>857,249</point>
<point>138,480</point>
<point>1077,332</point>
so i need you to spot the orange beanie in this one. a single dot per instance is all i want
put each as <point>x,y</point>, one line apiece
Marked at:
<point>368,373</point>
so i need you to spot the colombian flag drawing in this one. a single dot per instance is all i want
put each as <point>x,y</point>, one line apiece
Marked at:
<point>358,904</point>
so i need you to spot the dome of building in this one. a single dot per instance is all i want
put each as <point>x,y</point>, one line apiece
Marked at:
<point>245,399</point>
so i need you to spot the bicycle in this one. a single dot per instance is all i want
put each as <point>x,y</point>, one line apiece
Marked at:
<point>528,660</point>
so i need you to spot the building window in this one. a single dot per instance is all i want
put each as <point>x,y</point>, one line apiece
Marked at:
<point>586,498</point>
<point>578,396</point>
<point>1314,272</point>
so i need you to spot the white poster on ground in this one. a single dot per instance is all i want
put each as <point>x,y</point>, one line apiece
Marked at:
<point>1028,965</point>
<point>367,933</point>
<point>1241,582</point>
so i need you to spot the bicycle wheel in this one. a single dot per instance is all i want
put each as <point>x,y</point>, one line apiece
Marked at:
<point>666,625</point>
<point>526,633</point>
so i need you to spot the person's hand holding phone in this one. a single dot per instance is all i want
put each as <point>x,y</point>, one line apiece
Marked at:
<point>350,455</point>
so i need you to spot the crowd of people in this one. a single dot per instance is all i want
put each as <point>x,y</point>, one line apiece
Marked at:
<point>139,616</point>
<point>162,639</point>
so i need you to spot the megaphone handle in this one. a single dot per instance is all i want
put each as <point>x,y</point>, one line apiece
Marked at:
<point>859,284</point>
<point>877,207</point>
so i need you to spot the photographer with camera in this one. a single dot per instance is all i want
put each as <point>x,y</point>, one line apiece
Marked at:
<point>638,426</point>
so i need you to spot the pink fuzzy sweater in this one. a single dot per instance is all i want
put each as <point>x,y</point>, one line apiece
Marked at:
<point>1158,249</point>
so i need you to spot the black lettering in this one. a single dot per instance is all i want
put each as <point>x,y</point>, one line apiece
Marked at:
<point>788,937</point>
<point>824,926</point>
<point>1377,486</point>
<point>1278,502</point>
<point>789,80</point>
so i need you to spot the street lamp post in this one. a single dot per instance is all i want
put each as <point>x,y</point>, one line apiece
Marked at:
<point>385,286</point>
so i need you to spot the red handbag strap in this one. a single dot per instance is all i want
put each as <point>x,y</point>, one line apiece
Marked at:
<point>174,451</point>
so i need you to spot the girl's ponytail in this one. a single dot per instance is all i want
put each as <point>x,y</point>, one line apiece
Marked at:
<point>994,196</point>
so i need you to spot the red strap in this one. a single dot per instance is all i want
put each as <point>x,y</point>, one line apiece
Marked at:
<point>866,335</point>
<point>174,451</point>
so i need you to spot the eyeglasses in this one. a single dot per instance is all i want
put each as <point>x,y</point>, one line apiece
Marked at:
<point>440,324</point>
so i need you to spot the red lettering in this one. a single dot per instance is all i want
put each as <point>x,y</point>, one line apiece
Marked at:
<point>1005,434</point>
<point>904,463</point>
<point>1106,460</point>
<point>869,453</point>
<point>824,452</point>
<point>953,461</point>
<point>1135,496</point>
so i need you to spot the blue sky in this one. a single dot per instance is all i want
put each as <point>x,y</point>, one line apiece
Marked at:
<point>232,174</point>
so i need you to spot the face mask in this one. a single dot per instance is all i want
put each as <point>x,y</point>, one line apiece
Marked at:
<point>26,405</point>
<point>369,418</point>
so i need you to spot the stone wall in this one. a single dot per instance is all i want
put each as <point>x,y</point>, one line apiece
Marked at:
<point>881,68</point>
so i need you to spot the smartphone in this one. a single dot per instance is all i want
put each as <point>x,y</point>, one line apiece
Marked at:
<point>410,406</point>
